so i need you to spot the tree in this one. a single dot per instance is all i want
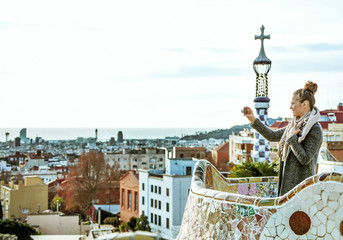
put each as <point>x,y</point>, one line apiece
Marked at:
<point>23,231</point>
<point>124,227</point>
<point>114,221</point>
<point>60,203</point>
<point>254,169</point>
<point>143,223</point>
<point>85,182</point>
<point>132,223</point>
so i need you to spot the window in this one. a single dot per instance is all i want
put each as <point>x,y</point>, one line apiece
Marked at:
<point>152,166</point>
<point>159,190</point>
<point>161,159</point>
<point>159,220</point>
<point>167,207</point>
<point>136,201</point>
<point>188,171</point>
<point>155,203</point>
<point>181,155</point>
<point>143,186</point>
<point>143,201</point>
<point>134,166</point>
<point>151,218</point>
<point>155,219</point>
<point>167,192</point>
<point>152,188</point>
<point>152,160</point>
<point>155,189</point>
<point>123,197</point>
<point>151,203</point>
<point>129,200</point>
<point>167,223</point>
<point>159,204</point>
<point>198,155</point>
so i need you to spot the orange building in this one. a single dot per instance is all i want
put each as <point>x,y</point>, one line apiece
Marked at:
<point>189,152</point>
<point>220,156</point>
<point>129,196</point>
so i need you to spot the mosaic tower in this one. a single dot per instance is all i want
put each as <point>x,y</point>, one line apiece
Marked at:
<point>262,65</point>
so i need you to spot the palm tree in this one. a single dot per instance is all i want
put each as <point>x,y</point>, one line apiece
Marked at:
<point>255,169</point>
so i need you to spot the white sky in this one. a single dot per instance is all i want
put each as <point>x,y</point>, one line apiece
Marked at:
<point>146,63</point>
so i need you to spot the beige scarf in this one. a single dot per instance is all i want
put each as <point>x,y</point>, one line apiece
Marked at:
<point>305,124</point>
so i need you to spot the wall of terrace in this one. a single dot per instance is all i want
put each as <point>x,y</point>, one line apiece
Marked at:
<point>214,210</point>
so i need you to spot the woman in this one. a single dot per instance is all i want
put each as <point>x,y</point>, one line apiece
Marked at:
<point>300,141</point>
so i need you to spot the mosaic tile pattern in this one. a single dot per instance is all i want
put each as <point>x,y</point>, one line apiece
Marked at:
<point>312,210</point>
<point>261,145</point>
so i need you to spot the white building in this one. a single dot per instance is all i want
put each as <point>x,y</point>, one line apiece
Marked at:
<point>163,197</point>
<point>131,159</point>
<point>241,147</point>
<point>45,174</point>
<point>4,166</point>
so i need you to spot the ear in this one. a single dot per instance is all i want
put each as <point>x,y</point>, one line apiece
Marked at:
<point>305,104</point>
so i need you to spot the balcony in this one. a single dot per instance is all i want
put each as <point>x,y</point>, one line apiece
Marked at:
<point>247,208</point>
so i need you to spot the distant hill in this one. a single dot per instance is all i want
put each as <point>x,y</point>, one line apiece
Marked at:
<point>223,133</point>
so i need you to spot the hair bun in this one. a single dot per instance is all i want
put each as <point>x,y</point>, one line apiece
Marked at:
<point>311,86</point>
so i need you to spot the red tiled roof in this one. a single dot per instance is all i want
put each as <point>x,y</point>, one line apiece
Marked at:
<point>338,154</point>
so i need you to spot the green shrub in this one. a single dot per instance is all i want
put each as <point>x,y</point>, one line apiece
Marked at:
<point>255,169</point>
<point>23,231</point>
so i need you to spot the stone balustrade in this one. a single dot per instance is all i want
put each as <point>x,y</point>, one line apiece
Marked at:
<point>220,208</point>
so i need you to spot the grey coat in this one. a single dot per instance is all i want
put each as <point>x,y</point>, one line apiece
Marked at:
<point>301,159</point>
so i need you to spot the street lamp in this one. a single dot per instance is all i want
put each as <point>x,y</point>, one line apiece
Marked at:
<point>261,66</point>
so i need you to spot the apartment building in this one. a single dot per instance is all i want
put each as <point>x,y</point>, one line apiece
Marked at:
<point>132,159</point>
<point>18,200</point>
<point>163,196</point>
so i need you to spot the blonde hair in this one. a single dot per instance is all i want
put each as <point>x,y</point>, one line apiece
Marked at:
<point>307,93</point>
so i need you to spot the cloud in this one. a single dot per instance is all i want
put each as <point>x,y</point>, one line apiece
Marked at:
<point>197,71</point>
<point>322,47</point>
<point>311,47</point>
<point>320,64</point>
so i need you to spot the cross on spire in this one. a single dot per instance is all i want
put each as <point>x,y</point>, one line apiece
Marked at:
<point>262,58</point>
<point>262,36</point>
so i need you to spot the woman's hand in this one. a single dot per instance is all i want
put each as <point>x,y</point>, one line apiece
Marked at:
<point>249,114</point>
<point>294,130</point>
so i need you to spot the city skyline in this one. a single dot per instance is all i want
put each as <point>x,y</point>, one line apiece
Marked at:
<point>170,64</point>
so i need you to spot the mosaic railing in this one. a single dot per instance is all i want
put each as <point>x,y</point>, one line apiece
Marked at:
<point>313,209</point>
<point>328,163</point>
<point>253,186</point>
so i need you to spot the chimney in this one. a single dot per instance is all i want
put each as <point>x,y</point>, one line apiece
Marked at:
<point>340,107</point>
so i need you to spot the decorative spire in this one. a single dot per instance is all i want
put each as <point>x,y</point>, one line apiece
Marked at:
<point>262,58</point>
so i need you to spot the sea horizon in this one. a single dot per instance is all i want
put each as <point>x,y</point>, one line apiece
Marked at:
<point>104,134</point>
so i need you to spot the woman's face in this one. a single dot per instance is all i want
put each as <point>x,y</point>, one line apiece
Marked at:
<point>297,107</point>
